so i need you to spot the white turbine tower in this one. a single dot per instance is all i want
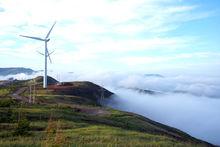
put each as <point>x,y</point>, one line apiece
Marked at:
<point>46,52</point>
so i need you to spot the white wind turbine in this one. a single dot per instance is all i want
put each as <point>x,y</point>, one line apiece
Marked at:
<point>46,52</point>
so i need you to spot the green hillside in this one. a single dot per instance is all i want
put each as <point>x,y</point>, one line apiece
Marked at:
<point>70,114</point>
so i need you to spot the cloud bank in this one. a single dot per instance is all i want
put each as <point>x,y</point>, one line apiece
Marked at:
<point>198,116</point>
<point>197,85</point>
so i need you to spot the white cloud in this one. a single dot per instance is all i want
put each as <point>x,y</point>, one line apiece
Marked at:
<point>88,30</point>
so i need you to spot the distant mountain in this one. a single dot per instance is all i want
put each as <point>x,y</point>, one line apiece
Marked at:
<point>15,70</point>
<point>143,91</point>
<point>154,75</point>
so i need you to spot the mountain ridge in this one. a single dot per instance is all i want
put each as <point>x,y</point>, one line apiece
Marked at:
<point>15,70</point>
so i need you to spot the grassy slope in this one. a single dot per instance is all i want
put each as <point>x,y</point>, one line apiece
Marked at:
<point>58,119</point>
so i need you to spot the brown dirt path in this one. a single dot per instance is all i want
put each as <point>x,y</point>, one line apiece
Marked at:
<point>16,95</point>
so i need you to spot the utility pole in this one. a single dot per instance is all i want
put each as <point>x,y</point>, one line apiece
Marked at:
<point>102,94</point>
<point>34,92</point>
<point>30,96</point>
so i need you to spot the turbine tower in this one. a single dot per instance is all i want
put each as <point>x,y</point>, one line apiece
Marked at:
<point>46,52</point>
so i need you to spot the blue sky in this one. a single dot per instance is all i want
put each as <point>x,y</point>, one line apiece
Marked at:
<point>147,36</point>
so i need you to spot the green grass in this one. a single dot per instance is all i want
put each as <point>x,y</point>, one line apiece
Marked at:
<point>79,128</point>
<point>94,135</point>
<point>4,92</point>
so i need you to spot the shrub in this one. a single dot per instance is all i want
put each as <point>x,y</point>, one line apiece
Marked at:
<point>51,128</point>
<point>54,134</point>
<point>6,102</point>
<point>7,116</point>
<point>23,127</point>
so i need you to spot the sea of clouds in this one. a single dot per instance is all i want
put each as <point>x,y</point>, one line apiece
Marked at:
<point>189,103</point>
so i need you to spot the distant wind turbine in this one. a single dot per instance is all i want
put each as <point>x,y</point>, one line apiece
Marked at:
<point>46,52</point>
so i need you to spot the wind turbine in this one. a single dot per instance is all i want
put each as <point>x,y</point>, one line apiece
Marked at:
<point>46,52</point>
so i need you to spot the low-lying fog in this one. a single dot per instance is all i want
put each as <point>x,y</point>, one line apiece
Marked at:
<point>198,116</point>
<point>189,103</point>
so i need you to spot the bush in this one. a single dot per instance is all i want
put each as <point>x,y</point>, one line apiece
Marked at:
<point>23,127</point>
<point>7,116</point>
<point>6,102</point>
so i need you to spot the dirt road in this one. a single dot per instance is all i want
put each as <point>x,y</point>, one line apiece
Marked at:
<point>16,95</point>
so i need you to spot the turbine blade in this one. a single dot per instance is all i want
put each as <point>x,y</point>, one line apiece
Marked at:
<point>36,38</point>
<point>49,58</point>
<point>40,53</point>
<point>48,34</point>
<point>51,52</point>
<point>48,55</point>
